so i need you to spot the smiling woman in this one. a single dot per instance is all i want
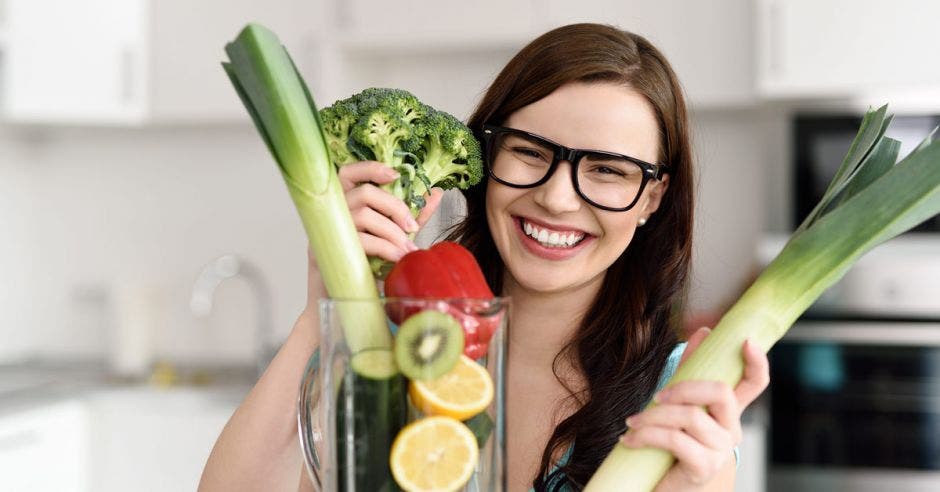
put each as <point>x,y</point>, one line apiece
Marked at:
<point>594,322</point>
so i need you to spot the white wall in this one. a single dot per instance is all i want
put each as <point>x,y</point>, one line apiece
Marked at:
<point>17,236</point>
<point>742,192</point>
<point>90,209</point>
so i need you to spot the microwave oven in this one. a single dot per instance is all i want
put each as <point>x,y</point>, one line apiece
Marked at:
<point>821,141</point>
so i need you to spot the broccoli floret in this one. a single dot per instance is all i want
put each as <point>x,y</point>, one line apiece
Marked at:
<point>450,156</point>
<point>338,121</point>
<point>385,134</point>
<point>403,103</point>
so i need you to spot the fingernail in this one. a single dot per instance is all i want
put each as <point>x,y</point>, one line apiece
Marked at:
<point>631,420</point>
<point>413,225</point>
<point>661,396</point>
<point>393,173</point>
<point>411,246</point>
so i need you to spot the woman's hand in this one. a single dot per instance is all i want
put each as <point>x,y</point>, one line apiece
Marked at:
<point>382,219</point>
<point>699,422</point>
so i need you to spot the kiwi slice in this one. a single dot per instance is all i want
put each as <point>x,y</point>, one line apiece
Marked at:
<point>428,345</point>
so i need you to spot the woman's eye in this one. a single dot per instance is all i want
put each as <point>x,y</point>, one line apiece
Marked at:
<point>528,153</point>
<point>608,170</point>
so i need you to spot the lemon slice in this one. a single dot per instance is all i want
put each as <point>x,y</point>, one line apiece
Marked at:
<point>434,454</point>
<point>461,393</point>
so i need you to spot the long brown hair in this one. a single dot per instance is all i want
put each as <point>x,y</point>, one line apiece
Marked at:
<point>627,334</point>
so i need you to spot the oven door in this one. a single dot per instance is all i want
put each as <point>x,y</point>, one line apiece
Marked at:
<point>855,405</point>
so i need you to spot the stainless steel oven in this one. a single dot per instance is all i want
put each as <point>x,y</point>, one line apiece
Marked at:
<point>855,406</point>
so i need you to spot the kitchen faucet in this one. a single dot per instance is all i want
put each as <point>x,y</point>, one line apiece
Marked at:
<point>230,266</point>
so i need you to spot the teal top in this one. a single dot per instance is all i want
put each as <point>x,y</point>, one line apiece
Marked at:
<point>668,370</point>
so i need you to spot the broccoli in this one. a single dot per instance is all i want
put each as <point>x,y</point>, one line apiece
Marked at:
<point>428,148</point>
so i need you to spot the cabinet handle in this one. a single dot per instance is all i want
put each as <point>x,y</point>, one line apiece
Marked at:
<point>19,440</point>
<point>126,67</point>
<point>775,41</point>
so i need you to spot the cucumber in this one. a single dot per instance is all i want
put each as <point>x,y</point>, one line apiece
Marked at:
<point>482,426</point>
<point>372,407</point>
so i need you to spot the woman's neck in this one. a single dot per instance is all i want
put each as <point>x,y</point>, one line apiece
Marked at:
<point>542,323</point>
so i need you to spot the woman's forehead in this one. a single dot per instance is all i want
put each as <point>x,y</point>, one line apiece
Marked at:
<point>603,116</point>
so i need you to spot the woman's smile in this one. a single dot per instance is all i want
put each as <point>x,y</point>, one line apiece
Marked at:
<point>552,242</point>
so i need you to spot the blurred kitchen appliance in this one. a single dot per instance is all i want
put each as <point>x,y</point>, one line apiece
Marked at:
<point>855,384</point>
<point>820,141</point>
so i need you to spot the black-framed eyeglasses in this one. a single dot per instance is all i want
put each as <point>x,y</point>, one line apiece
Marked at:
<point>606,180</point>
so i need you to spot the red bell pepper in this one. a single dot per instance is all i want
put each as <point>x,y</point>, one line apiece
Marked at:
<point>446,270</point>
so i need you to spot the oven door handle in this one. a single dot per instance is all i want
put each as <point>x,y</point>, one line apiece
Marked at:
<point>919,334</point>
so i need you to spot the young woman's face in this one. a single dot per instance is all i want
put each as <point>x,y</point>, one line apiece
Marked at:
<point>597,116</point>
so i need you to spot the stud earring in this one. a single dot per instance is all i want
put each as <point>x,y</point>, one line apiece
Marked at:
<point>641,222</point>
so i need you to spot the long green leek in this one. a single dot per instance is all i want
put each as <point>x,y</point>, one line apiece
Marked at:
<point>287,119</point>
<point>870,200</point>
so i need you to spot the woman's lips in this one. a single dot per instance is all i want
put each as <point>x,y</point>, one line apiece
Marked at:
<point>546,252</point>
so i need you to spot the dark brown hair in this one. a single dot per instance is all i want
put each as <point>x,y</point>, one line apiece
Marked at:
<point>628,332</point>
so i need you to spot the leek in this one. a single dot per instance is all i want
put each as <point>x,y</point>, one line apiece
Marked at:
<point>870,200</point>
<point>285,115</point>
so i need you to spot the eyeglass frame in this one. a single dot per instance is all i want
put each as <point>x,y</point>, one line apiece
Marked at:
<point>573,156</point>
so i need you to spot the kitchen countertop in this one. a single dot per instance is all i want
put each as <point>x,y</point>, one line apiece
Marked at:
<point>32,383</point>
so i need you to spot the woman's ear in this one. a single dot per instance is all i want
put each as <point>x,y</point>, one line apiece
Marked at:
<point>654,195</point>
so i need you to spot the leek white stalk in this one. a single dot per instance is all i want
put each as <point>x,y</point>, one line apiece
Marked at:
<point>287,119</point>
<point>869,201</point>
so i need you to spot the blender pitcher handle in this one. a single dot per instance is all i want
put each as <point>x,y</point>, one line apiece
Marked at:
<point>307,411</point>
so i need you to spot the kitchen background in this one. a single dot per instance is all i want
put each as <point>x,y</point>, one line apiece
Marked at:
<point>127,164</point>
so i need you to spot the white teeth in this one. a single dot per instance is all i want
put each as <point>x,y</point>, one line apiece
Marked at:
<point>553,238</point>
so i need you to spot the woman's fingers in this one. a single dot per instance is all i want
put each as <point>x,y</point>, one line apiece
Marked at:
<point>370,196</point>
<point>694,341</point>
<point>376,246</point>
<point>700,462</point>
<point>356,173</point>
<point>376,224</point>
<point>692,419</point>
<point>432,201</point>
<point>756,374</point>
<point>717,397</point>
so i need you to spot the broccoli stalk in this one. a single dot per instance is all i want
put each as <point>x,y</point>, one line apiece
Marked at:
<point>428,148</point>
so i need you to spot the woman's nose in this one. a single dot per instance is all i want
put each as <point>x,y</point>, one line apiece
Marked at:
<point>557,195</point>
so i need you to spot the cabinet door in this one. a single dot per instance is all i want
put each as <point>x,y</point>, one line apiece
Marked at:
<point>44,449</point>
<point>846,47</point>
<point>412,24</point>
<point>74,61</point>
<point>708,43</point>
<point>186,48</point>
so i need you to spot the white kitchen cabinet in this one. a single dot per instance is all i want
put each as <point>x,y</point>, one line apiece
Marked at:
<point>129,61</point>
<point>69,61</point>
<point>442,48</point>
<point>427,25</point>
<point>708,43</point>
<point>841,48</point>
<point>44,449</point>
<point>152,439</point>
